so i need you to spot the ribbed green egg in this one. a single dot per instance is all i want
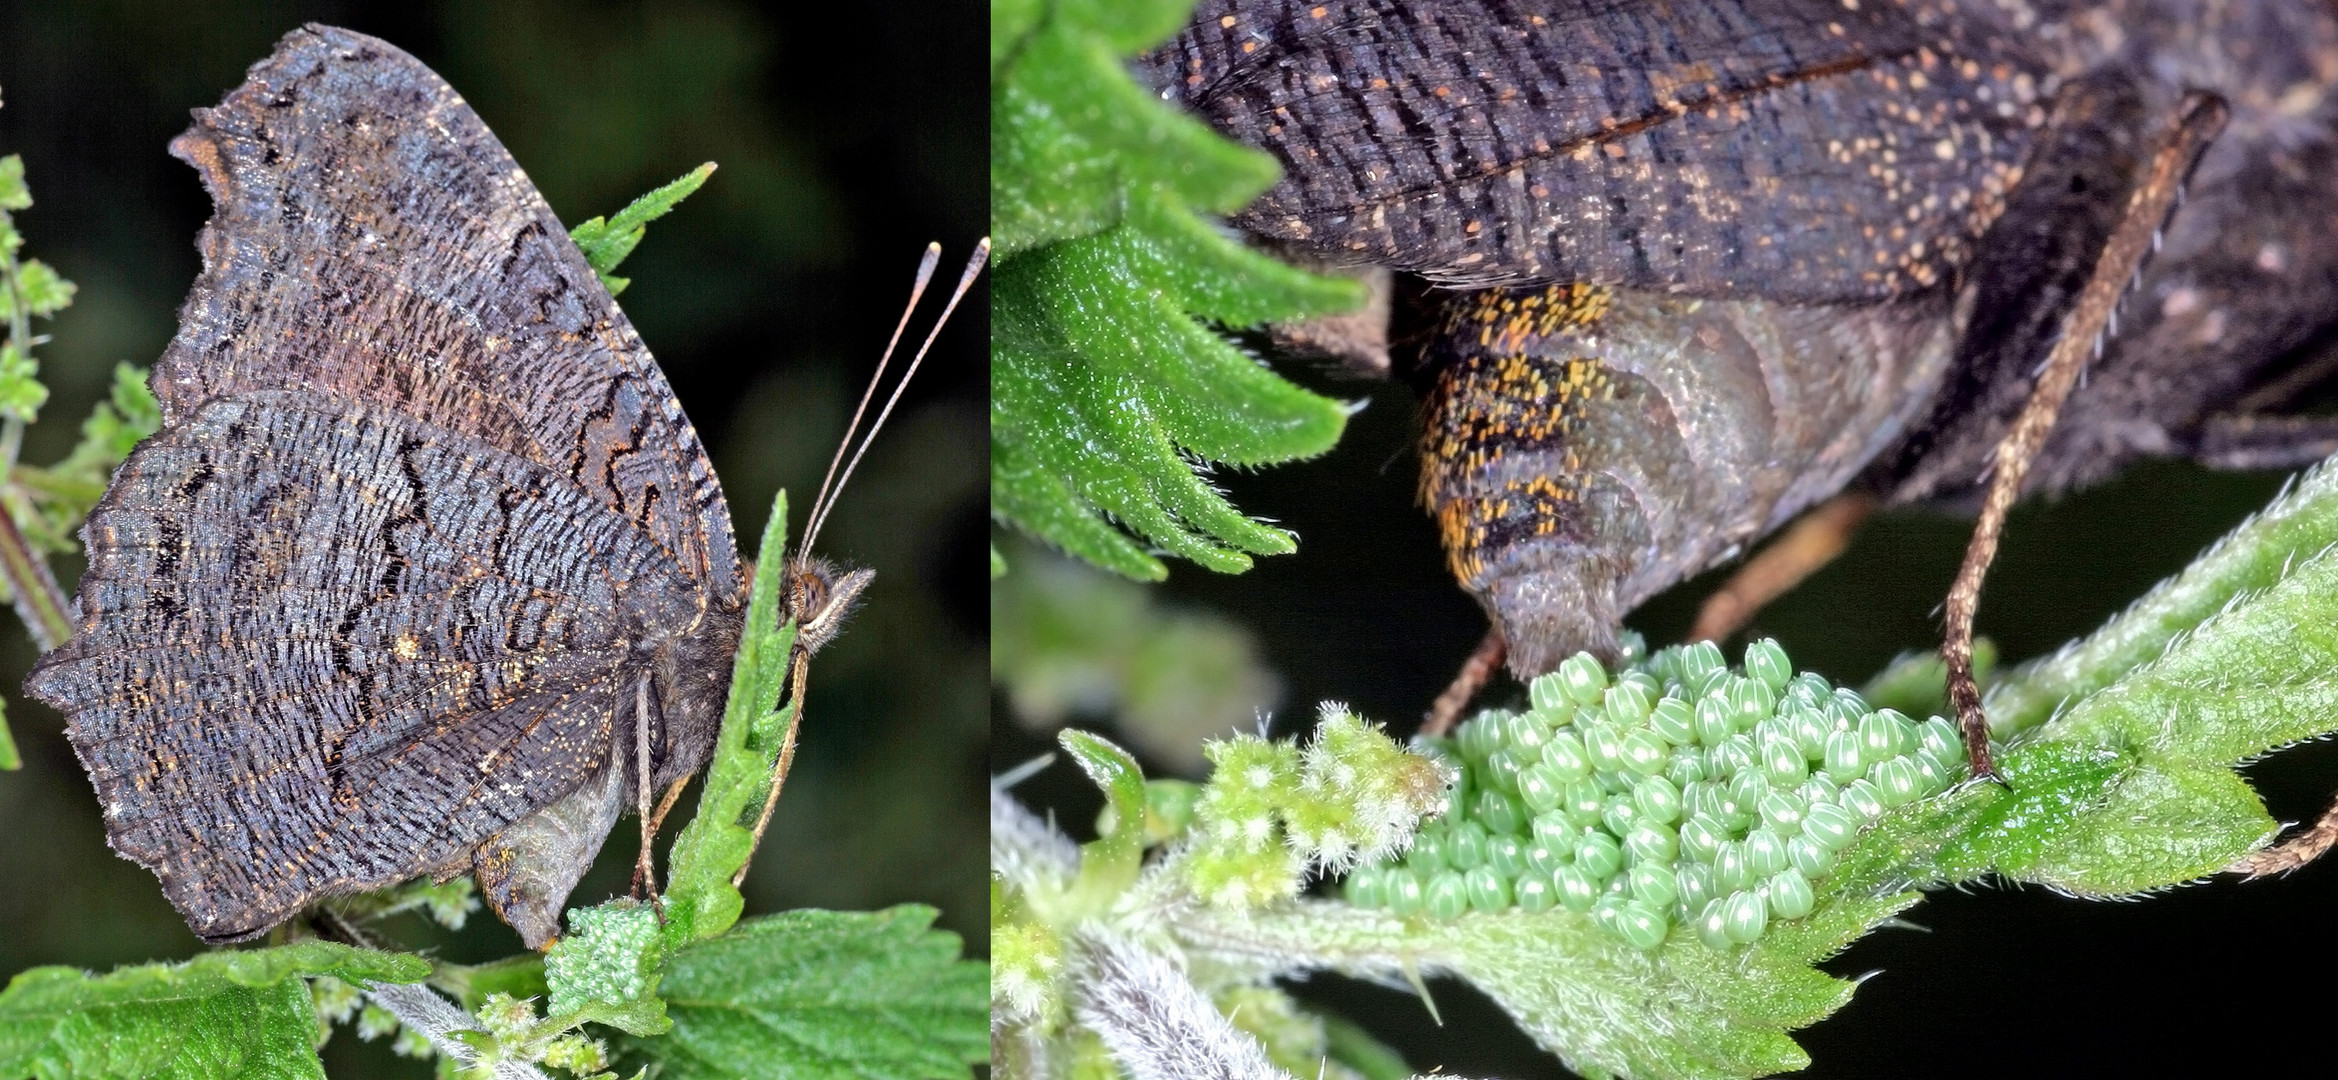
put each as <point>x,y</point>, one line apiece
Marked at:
<point>1672,792</point>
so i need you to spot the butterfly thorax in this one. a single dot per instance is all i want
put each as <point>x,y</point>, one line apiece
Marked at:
<point>690,679</point>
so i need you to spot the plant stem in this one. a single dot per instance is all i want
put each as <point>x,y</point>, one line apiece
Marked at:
<point>416,1007</point>
<point>40,602</point>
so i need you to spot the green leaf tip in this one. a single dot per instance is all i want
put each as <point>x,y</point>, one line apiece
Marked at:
<point>42,291</point>
<point>607,241</point>
<point>21,391</point>
<point>700,899</point>
<point>1109,864</point>
<point>14,195</point>
<point>1110,387</point>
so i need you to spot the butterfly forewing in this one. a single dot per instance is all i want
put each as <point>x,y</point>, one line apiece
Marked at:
<point>373,242</point>
<point>1818,150</point>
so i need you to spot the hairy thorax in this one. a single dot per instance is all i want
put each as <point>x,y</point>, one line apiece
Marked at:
<point>690,679</point>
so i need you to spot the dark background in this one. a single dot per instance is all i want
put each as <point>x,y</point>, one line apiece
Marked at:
<point>2220,977</point>
<point>766,298</point>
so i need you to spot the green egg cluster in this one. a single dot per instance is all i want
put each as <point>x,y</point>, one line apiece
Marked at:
<point>1675,793</point>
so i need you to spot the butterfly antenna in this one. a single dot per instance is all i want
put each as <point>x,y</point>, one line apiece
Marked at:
<point>925,276</point>
<point>828,495</point>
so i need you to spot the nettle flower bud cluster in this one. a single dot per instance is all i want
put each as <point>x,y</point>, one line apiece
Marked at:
<point>1674,793</point>
<point>1274,811</point>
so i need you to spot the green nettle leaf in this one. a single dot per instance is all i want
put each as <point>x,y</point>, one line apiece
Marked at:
<point>222,1014</point>
<point>1072,135</point>
<point>819,994</point>
<point>2117,777</point>
<point>1686,1010</point>
<point>607,241</point>
<point>2256,555</point>
<point>700,899</point>
<point>2130,785</point>
<point>1110,391</point>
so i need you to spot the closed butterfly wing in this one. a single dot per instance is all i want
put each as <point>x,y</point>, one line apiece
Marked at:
<point>1801,150</point>
<point>423,523</point>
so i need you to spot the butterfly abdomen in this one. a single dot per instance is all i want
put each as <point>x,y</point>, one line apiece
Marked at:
<point>1584,448</point>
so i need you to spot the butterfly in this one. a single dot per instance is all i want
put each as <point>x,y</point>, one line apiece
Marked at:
<point>1774,256</point>
<point>426,571</point>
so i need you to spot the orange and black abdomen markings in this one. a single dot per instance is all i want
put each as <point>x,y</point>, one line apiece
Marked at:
<point>1585,448</point>
<point>1498,396</point>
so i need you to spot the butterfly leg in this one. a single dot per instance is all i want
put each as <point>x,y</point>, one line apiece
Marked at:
<point>1481,665</point>
<point>2261,441</point>
<point>645,873</point>
<point>2294,852</point>
<point>799,668</point>
<point>657,818</point>
<point>2157,192</point>
<point>1811,542</point>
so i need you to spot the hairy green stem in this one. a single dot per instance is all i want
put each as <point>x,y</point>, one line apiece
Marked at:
<point>437,1020</point>
<point>34,590</point>
<point>39,600</point>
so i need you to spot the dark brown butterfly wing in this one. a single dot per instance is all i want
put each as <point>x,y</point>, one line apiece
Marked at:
<point>420,516</point>
<point>1808,150</point>
<point>374,243</point>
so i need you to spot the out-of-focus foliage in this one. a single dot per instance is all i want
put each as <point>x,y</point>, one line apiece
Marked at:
<point>1067,641</point>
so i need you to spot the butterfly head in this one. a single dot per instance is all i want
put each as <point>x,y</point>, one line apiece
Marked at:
<point>820,596</point>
